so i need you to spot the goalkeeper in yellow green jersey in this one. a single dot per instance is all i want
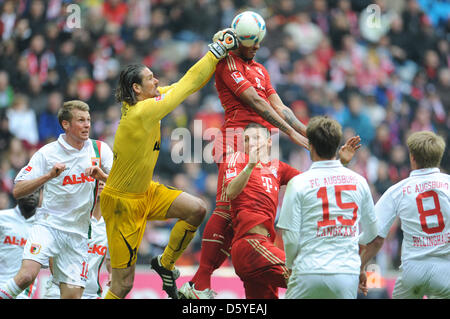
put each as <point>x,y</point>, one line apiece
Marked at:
<point>130,196</point>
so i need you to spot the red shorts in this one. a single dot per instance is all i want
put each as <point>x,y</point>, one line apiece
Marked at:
<point>260,265</point>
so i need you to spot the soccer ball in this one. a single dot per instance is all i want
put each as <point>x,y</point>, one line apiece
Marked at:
<point>250,28</point>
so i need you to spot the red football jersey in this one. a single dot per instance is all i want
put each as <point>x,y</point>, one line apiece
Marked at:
<point>258,201</point>
<point>233,76</point>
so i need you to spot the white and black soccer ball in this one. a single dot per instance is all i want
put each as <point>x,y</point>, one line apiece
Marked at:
<point>250,28</point>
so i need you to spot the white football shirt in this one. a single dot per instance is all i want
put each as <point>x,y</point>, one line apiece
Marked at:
<point>13,236</point>
<point>14,230</point>
<point>325,205</point>
<point>422,202</point>
<point>68,198</point>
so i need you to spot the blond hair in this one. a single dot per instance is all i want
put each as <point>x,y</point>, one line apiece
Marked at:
<point>65,113</point>
<point>426,148</point>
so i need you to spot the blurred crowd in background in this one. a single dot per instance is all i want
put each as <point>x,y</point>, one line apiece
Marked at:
<point>382,71</point>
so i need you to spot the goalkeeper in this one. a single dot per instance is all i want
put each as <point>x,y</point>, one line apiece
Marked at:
<point>130,196</point>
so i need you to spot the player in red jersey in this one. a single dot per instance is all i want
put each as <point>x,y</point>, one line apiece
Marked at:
<point>252,183</point>
<point>247,95</point>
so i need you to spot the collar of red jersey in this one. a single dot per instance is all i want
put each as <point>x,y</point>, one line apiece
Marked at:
<point>425,171</point>
<point>326,164</point>
<point>245,61</point>
<point>63,143</point>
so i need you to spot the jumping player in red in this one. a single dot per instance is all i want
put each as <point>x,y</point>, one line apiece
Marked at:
<point>247,95</point>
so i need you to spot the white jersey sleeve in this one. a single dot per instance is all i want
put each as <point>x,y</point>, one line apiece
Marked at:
<point>106,158</point>
<point>290,222</point>
<point>290,215</point>
<point>368,216</point>
<point>36,168</point>
<point>386,210</point>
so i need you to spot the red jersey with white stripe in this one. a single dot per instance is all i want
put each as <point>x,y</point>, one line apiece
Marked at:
<point>233,76</point>
<point>258,201</point>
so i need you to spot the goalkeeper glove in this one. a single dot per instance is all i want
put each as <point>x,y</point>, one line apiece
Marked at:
<point>223,41</point>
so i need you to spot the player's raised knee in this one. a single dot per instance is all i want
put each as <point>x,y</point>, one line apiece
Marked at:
<point>189,208</point>
<point>198,211</point>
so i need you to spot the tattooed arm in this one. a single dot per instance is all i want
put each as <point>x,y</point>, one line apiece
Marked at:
<point>287,114</point>
<point>251,98</point>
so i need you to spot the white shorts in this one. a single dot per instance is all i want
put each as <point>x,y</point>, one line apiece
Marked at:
<point>322,286</point>
<point>420,278</point>
<point>51,291</point>
<point>69,252</point>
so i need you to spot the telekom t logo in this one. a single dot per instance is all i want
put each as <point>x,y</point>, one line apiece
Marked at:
<point>267,183</point>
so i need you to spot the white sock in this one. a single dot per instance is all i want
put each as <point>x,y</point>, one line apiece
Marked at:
<point>10,290</point>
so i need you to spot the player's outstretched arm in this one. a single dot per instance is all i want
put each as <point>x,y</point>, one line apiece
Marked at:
<point>251,98</point>
<point>194,79</point>
<point>26,187</point>
<point>286,114</point>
